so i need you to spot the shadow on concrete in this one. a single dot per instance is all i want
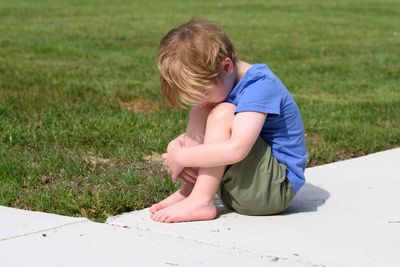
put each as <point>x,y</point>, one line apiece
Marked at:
<point>308,199</point>
<point>221,208</point>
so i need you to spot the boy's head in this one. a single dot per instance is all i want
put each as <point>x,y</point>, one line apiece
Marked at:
<point>189,60</point>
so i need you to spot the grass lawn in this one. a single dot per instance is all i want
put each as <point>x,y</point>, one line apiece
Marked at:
<point>82,122</point>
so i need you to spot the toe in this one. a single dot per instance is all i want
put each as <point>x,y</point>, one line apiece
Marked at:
<point>152,209</point>
<point>170,219</point>
<point>155,207</point>
<point>156,216</point>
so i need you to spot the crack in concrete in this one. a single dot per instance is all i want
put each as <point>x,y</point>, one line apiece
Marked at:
<point>272,258</point>
<point>41,231</point>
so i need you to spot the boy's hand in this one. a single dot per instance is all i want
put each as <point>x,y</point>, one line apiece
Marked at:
<point>189,175</point>
<point>171,165</point>
<point>170,162</point>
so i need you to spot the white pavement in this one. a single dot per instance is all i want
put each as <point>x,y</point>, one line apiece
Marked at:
<point>347,214</point>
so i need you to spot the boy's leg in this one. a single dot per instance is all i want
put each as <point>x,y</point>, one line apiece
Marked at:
<point>257,185</point>
<point>194,135</point>
<point>199,205</point>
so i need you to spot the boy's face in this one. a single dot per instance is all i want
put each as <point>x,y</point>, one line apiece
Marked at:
<point>218,92</point>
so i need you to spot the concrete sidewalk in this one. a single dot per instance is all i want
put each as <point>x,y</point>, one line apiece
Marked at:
<point>347,214</point>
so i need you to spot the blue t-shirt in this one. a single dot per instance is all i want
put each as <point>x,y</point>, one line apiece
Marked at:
<point>260,90</point>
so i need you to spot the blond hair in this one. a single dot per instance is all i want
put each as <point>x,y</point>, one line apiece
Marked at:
<point>189,60</point>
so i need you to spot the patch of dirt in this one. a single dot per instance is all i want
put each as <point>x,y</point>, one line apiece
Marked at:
<point>154,158</point>
<point>151,165</point>
<point>343,155</point>
<point>45,179</point>
<point>92,161</point>
<point>139,105</point>
<point>315,162</point>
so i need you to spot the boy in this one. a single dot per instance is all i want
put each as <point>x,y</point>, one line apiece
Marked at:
<point>244,138</point>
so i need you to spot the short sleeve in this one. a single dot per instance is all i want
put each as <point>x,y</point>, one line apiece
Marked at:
<point>263,95</point>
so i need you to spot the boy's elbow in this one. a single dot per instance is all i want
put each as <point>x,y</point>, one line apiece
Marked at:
<point>238,153</point>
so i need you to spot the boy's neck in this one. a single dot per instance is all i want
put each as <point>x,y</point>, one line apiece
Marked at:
<point>240,68</point>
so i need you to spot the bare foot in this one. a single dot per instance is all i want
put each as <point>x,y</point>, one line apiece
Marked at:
<point>175,197</point>
<point>188,209</point>
<point>179,195</point>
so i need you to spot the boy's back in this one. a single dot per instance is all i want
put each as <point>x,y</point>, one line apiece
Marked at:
<point>260,90</point>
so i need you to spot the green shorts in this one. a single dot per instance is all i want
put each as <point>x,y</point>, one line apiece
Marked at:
<point>256,185</point>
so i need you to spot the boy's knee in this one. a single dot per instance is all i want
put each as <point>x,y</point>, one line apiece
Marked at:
<point>221,114</point>
<point>172,145</point>
<point>193,140</point>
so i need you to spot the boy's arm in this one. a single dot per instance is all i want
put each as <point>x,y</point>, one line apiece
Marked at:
<point>245,131</point>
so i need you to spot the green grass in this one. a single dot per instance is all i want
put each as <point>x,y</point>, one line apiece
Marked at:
<point>81,114</point>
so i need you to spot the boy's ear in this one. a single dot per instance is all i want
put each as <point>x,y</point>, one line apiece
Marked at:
<point>227,65</point>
